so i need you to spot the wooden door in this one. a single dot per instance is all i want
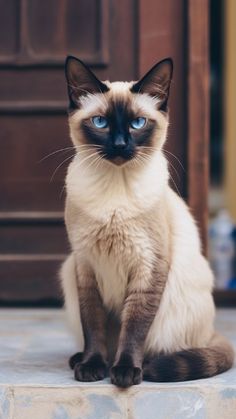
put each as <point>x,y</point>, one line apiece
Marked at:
<point>120,40</point>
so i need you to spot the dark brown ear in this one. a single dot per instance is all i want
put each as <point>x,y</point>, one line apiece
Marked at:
<point>81,81</point>
<point>157,82</point>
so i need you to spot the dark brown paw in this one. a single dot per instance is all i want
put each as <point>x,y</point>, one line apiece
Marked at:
<point>94,369</point>
<point>75,359</point>
<point>125,376</point>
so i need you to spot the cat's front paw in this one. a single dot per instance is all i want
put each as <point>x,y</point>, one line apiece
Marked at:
<point>94,369</point>
<point>75,359</point>
<point>125,376</point>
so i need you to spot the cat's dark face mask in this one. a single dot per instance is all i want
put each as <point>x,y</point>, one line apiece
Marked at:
<point>119,131</point>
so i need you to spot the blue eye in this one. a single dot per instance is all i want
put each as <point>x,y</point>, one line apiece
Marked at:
<point>100,121</point>
<point>138,123</point>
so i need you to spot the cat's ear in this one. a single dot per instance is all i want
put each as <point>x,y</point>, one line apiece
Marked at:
<point>81,81</point>
<point>156,82</point>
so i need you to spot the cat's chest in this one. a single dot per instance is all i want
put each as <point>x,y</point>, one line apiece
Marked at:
<point>112,248</point>
<point>113,237</point>
<point>108,237</point>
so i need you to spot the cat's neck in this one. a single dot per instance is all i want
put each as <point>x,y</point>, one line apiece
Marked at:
<point>106,189</point>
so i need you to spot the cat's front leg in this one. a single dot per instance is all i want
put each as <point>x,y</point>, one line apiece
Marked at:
<point>141,305</point>
<point>93,366</point>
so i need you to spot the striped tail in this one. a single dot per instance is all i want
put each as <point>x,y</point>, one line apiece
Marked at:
<point>190,364</point>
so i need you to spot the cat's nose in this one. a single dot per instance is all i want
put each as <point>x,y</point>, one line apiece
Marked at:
<point>119,142</point>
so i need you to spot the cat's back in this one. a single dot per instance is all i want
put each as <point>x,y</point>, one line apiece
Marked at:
<point>183,226</point>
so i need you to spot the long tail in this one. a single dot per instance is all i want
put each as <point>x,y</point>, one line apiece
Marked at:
<point>190,364</point>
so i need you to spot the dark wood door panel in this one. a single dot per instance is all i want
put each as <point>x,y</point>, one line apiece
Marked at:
<point>9,17</point>
<point>66,29</point>
<point>120,40</point>
<point>41,33</point>
<point>30,279</point>
<point>32,238</point>
<point>32,90</point>
<point>28,181</point>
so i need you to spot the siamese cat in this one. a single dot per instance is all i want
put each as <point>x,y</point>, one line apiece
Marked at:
<point>137,288</point>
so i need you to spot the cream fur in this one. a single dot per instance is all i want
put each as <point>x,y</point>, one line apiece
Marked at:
<point>185,316</point>
<point>109,201</point>
<point>69,287</point>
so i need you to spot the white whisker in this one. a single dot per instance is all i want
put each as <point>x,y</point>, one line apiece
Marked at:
<point>166,151</point>
<point>58,167</point>
<point>55,152</point>
<point>81,162</point>
<point>177,189</point>
<point>175,170</point>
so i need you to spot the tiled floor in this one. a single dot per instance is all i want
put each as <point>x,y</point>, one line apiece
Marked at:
<point>36,382</point>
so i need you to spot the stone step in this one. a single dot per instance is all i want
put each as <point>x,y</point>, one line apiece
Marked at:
<point>36,382</point>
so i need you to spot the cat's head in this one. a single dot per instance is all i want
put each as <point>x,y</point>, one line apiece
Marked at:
<point>121,121</point>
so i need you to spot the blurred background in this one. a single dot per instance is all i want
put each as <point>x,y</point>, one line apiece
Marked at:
<point>120,40</point>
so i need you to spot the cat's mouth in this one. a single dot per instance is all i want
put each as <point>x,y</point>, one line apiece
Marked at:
<point>119,158</point>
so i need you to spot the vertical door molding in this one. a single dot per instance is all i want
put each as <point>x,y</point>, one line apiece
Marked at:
<point>198,111</point>
<point>230,105</point>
